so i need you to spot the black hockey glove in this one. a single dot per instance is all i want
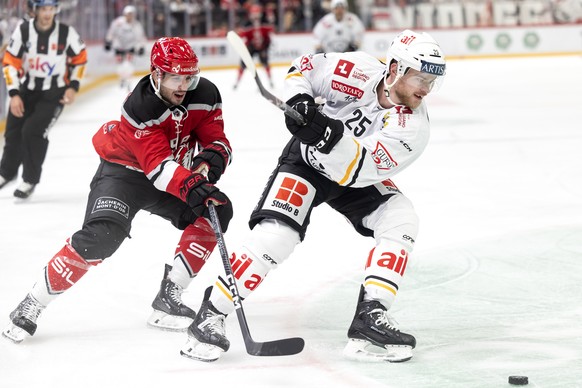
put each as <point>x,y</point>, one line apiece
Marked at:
<point>319,130</point>
<point>213,159</point>
<point>107,45</point>
<point>199,193</point>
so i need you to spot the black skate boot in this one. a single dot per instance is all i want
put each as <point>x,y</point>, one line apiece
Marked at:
<point>23,320</point>
<point>207,334</point>
<point>169,311</point>
<point>24,190</point>
<point>373,336</point>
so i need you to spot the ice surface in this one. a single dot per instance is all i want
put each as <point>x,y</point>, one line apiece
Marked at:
<point>493,288</point>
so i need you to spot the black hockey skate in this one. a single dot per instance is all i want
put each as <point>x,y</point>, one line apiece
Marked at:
<point>373,336</point>
<point>24,190</point>
<point>23,320</point>
<point>170,313</point>
<point>206,335</point>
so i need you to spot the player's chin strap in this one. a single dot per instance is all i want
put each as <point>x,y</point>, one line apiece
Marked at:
<point>387,88</point>
<point>158,74</point>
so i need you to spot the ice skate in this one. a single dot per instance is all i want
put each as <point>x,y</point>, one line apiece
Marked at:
<point>23,320</point>
<point>24,190</point>
<point>206,335</point>
<point>373,336</point>
<point>170,313</point>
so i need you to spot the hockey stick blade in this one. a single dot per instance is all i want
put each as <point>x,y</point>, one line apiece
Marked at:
<point>282,347</point>
<point>240,47</point>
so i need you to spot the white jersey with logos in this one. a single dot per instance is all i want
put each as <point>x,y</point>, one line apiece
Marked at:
<point>377,143</point>
<point>125,36</point>
<point>337,36</point>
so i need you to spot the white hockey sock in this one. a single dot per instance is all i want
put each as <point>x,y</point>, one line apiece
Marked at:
<point>270,243</point>
<point>384,270</point>
<point>179,274</point>
<point>40,291</point>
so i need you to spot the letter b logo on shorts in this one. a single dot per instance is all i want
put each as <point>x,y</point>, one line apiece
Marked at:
<point>290,195</point>
<point>292,191</point>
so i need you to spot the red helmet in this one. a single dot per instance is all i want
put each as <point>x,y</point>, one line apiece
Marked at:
<point>174,55</point>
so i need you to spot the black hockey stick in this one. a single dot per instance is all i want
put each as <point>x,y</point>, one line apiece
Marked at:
<point>239,46</point>
<point>282,347</point>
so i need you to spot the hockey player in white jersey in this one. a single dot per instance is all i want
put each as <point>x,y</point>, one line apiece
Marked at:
<point>339,30</point>
<point>373,125</point>
<point>127,38</point>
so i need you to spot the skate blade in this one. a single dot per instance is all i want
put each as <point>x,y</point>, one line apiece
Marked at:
<point>361,350</point>
<point>14,334</point>
<point>200,351</point>
<point>163,321</point>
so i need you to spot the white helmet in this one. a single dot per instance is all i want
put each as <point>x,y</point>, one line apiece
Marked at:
<point>418,51</point>
<point>338,3</point>
<point>129,9</point>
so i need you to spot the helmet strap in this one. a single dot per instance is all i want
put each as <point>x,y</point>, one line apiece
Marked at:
<point>388,86</point>
<point>157,85</point>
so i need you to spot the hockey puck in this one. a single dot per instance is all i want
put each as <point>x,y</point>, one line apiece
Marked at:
<point>518,380</point>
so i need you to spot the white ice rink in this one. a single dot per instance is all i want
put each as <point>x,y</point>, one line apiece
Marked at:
<point>494,286</point>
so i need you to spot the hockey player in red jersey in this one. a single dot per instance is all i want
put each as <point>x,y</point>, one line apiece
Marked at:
<point>257,36</point>
<point>148,162</point>
<point>373,125</point>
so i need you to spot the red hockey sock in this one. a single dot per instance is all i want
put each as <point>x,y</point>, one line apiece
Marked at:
<point>195,246</point>
<point>65,269</point>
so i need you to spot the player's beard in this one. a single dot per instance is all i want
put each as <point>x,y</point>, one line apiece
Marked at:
<point>175,97</point>
<point>407,96</point>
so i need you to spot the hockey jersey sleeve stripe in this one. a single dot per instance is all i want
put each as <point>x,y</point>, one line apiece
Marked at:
<point>11,60</point>
<point>360,165</point>
<point>12,66</point>
<point>227,150</point>
<point>295,74</point>
<point>205,107</point>
<point>162,175</point>
<point>79,59</point>
<point>352,164</point>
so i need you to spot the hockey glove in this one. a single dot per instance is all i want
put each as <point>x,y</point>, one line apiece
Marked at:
<point>319,130</point>
<point>200,193</point>
<point>107,45</point>
<point>213,159</point>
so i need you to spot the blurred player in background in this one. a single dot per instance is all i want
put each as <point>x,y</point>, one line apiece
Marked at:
<point>373,125</point>
<point>38,93</point>
<point>127,38</point>
<point>338,31</point>
<point>257,36</point>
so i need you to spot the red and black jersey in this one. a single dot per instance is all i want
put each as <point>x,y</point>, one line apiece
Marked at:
<point>257,37</point>
<point>161,140</point>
